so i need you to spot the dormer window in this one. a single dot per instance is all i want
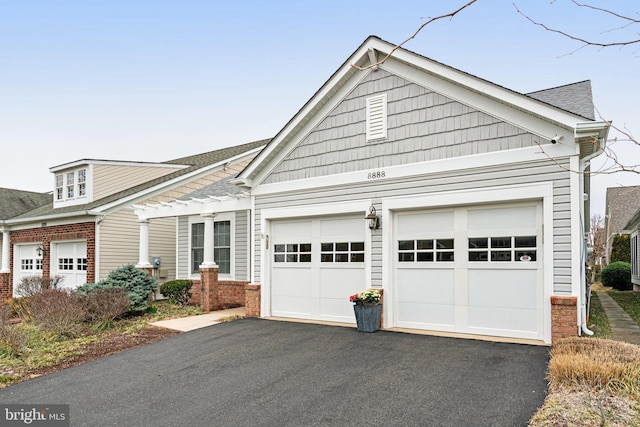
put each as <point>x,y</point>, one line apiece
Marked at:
<point>70,185</point>
<point>82,182</point>
<point>59,187</point>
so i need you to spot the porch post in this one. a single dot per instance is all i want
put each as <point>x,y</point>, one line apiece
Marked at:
<point>143,248</point>
<point>208,261</point>
<point>6,250</point>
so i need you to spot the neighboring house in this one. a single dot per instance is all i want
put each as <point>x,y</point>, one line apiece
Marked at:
<point>479,217</point>
<point>14,203</point>
<point>620,205</point>
<point>88,227</point>
<point>634,228</point>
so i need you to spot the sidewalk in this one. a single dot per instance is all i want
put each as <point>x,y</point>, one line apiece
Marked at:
<point>185,324</point>
<point>623,328</point>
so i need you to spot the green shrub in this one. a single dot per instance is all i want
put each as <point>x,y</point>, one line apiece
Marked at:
<point>138,284</point>
<point>620,248</point>
<point>617,275</point>
<point>178,291</point>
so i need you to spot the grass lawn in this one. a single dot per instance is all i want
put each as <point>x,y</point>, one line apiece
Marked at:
<point>629,301</point>
<point>598,322</point>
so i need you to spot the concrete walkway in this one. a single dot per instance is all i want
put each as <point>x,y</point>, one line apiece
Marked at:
<point>185,324</point>
<point>623,328</point>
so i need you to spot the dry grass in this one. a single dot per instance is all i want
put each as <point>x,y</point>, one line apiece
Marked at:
<point>592,382</point>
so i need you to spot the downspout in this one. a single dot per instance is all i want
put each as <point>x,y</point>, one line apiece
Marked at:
<point>598,132</point>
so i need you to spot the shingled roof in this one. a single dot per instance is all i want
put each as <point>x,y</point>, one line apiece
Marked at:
<point>575,98</point>
<point>17,202</point>
<point>192,163</point>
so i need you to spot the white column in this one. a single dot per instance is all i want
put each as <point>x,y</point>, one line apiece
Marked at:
<point>208,261</point>
<point>143,249</point>
<point>6,250</point>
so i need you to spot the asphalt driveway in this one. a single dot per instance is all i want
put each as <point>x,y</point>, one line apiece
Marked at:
<point>256,372</point>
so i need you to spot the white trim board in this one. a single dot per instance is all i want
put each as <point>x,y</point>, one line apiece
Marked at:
<point>521,155</point>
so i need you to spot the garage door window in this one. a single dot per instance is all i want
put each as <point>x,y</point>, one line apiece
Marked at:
<point>292,252</point>
<point>503,249</point>
<point>342,252</point>
<point>425,250</point>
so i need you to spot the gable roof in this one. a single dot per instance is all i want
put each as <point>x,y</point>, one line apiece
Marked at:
<point>17,202</point>
<point>195,164</point>
<point>576,98</point>
<point>621,205</point>
<point>417,66</point>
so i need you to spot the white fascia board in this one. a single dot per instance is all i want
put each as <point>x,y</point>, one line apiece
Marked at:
<point>299,128</point>
<point>89,162</point>
<point>51,220</point>
<point>476,84</point>
<point>193,208</point>
<point>335,87</point>
<point>520,155</point>
<point>537,119</point>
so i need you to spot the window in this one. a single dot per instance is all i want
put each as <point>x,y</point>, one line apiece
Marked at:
<point>634,255</point>
<point>26,264</point>
<point>221,246</point>
<point>59,187</point>
<point>65,264</point>
<point>292,252</point>
<point>342,252</point>
<point>376,122</point>
<point>82,182</point>
<point>82,264</point>
<point>425,250</point>
<point>503,249</point>
<point>197,246</point>
<point>70,185</point>
<point>38,263</point>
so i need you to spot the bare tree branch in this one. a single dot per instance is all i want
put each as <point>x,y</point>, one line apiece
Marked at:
<point>448,15</point>
<point>585,41</point>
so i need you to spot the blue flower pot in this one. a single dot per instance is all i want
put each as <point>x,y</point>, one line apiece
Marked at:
<point>368,317</point>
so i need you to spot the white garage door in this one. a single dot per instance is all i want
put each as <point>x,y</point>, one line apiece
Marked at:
<point>27,262</point>
<point>316,264</point>
<point>474,270</point>
<point>69,260</point>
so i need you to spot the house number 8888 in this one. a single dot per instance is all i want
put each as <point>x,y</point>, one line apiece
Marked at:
<point>375,175</point>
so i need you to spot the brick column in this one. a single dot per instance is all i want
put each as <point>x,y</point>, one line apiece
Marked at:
<point>564,317</point>
<point>5,287</point>
<point>252,300</point>
<point>209,288</point>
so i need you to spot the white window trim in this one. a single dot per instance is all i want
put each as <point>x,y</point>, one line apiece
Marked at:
<point>228,216</point>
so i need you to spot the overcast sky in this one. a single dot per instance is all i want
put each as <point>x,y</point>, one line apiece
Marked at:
<point>156,80</point>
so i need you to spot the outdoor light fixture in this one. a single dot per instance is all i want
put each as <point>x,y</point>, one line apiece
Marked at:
<point>41,251</point>
<point>372,218</point>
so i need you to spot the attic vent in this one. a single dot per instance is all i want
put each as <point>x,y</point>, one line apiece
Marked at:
<point>377,117</point>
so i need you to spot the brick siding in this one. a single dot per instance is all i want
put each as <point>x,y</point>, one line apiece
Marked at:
<point>564,315</point>
<point>81,231</point>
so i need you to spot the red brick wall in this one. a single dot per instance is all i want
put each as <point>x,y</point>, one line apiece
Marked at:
<point>252,300</point>
<point>230,293</point>
<point>564,315</point>
<point>80,231</point>
<point>5,287</point>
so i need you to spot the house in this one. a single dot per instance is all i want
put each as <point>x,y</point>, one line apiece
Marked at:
<point>633,225</point>
<point>88,228</point>
<point>621,204</point>
<point>453,195</point>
